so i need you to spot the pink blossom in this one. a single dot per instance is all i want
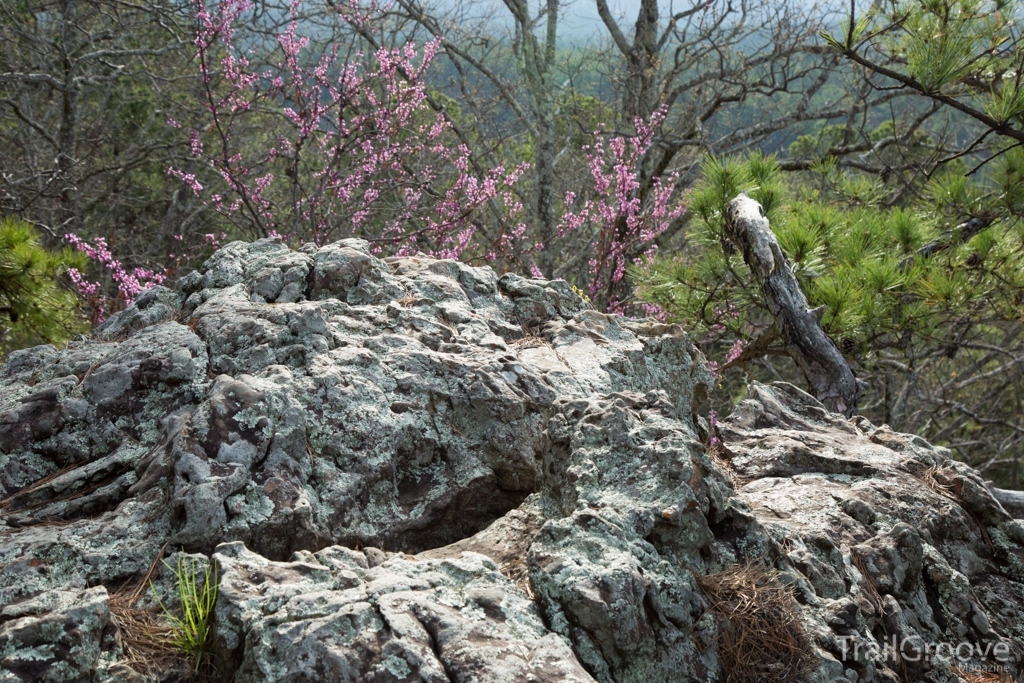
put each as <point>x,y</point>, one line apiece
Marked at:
<point>624,225</point>
<point>735,350</point>
<point>713,428</point>
<point>655,311</point>
<point>129,283</point>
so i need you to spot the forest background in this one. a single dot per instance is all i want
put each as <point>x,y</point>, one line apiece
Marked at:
<point>883,141</point>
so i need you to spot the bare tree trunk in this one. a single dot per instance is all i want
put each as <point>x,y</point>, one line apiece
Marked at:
<point>67,155</point>
<point>544,180</point>
<point>535,62</point>
<point>642,53</point>
<point>831,380</point>
<point>640,92</point>
<point>86,89</point>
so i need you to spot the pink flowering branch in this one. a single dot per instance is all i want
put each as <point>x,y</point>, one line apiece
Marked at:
<point>624,219</point>
<point>129,282</point>
<point>713,429</point>
<point>724,323</point>
<point>360,153</point>
<point>735,350</point>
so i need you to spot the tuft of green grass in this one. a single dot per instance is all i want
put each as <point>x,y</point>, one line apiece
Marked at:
<point>191,630</point>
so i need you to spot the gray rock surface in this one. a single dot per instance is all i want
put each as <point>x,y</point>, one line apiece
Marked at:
<point>415,470</point>
<point>889,536</point>
<point>334,616</point>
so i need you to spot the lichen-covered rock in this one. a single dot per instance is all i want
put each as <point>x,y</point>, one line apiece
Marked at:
<point>54,636</point>
<point>889,537</point>
<point>335,615</point>
<point>415,470</point>
<point>630,503</point>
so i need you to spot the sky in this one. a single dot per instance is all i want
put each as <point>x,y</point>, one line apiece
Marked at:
<point>579,18</point>
<point>581,15</point>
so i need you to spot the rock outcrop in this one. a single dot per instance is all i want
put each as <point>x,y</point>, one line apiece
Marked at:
<point>415,470</point>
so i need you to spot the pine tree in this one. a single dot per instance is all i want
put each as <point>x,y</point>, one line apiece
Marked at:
<point>34,306</point>
<point>922,300</point>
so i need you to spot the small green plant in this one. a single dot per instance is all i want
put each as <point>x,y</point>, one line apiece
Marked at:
<point>580,293</point>
<point>191,630</point>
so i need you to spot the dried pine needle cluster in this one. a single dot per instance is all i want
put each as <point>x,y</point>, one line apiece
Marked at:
<point>144,635</point>
<point>155,642</point>
<point>983,676</point>
<point>760,636</point>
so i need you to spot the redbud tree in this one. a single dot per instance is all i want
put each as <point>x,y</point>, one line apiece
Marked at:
<point>315,145</point>
<point>357,149</point>
<point>623,218</point>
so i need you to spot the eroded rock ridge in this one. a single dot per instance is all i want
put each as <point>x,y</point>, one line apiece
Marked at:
<point>411,469</point>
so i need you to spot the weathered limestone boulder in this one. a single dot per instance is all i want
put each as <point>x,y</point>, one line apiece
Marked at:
<point>415,470</point>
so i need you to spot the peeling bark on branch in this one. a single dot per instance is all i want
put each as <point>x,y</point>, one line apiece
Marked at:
<point>827,372</point>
